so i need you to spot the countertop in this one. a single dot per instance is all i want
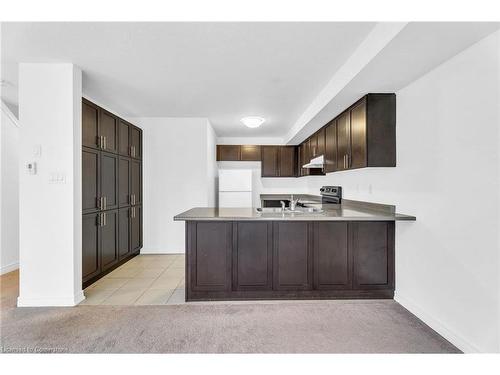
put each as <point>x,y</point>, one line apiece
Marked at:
<point>348,211</point>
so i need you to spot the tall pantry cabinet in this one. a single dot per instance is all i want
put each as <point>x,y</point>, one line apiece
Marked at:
<point>111,191</point>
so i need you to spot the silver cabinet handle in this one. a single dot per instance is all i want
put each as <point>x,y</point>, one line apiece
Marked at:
<point>104,142</point>
<point>105,203</point>
<point>104,219</point>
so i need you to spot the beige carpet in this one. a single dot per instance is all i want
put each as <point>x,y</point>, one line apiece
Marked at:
<point>270,327</point>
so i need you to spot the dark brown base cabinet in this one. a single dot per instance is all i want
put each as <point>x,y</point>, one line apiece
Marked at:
<point>245,260</point>
<point>111,192</point>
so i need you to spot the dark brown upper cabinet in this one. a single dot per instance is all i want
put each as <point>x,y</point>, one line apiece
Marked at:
<point>109,181</point>
<point>238,153</point>
<point>320,142</point>
<point>287,161</point>
<point>90,125</point>
<point>331,147</point>
<point>313,146</point>
<point>124,198</point>
<point>90,180</point>
<point>270,161</point>
<point>358,158</point>
<point>124,138</point>
<point>250,153</point>
<point>135,182</point>
<point>108,132</point>
<point>135,142</point>
<point>304,158</point>
<point>228,152</point>
<point>364,135</point>
<point>343,140</point>
<point>279,161</point>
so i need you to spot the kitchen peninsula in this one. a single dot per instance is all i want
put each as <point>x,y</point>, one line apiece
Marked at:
<point>314,252</point>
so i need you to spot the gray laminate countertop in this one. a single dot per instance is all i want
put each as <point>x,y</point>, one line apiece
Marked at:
<point>347,211</point>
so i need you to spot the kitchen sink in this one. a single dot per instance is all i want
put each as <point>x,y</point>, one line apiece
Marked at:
<point>298,210</point>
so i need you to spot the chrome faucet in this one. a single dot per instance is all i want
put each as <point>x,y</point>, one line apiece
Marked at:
<point>283,205</point>
<point>293,203</point>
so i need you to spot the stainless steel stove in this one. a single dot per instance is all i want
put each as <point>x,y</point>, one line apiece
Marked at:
<point>331,194</point>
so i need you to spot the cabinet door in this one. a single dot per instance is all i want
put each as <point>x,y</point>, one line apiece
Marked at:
<point>123,138</point>
<point>210,247</point>
<point>91,262</point>
<point>124,232</point>
<point>331,256</point>
<point>320,141</point>
<point>250,153</point>
<point>109,180</point>
<point>135,228</point>
<point>90,180</point>
<point>108,129</point>
<point>124,182</point>
<point>109,239</point>
<point>252,255</point>
<point>343,140</point>
<point>90,132</point>
<point>228,153</point>
<point>292,255</point>
<point>358,136</point>
<point>313,146</point>
<point>373,254</point>
<point>331,147</point>
<point>135,182</point>
<point>270,162</point>
<point>136,142</point>
<point>288,161</point>
<point>303,158</point>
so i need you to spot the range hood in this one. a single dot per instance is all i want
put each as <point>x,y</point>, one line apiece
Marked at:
<point>317,162</point>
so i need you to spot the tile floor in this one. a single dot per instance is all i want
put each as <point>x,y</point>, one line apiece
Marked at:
<point>143,280</point>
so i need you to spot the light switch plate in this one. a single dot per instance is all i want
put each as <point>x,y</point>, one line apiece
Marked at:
<point>31,167</point>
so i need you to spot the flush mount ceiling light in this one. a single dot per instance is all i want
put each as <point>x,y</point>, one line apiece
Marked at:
<point>252,121</point>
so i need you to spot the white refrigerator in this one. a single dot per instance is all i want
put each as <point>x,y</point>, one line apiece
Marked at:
<point>235,188</point>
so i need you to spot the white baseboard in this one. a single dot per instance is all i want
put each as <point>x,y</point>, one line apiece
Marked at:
<point>51,301</point>
<point>456,339</point>
<point>157,251</point>
<point>9,268</point>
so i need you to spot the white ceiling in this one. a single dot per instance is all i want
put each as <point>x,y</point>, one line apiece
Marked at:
<point>296,75</point>
<point>223,71</point>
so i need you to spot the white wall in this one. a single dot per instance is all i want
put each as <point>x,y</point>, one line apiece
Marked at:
<point>9,194</point>
<point>50,213</point>
<point>447,175</point>
<point>178,174</point>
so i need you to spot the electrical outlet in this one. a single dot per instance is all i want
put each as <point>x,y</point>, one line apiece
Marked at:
<point>57,178</point>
